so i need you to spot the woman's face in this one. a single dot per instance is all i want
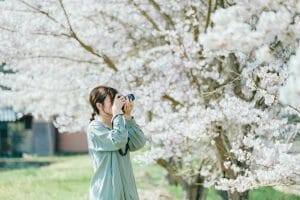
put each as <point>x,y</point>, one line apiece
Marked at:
<point>107,105</point>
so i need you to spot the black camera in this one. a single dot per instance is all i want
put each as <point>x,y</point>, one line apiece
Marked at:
<point>130,97</point>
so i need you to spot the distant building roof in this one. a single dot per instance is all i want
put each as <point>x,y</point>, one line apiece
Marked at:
<point>9,115</point>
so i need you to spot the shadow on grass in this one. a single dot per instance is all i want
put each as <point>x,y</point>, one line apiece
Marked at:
<point>10,165</point>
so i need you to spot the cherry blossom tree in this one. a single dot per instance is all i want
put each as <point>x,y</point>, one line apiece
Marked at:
<point>290,92</point>
<point>206,75</point>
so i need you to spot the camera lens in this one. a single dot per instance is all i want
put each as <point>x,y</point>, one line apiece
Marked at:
<point>130,97</point>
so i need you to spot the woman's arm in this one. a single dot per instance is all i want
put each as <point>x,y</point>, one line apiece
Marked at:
<point>136,135</point>
<point>102,139</point>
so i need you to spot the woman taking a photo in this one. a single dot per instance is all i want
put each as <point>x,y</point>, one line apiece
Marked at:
<point>111,136</point>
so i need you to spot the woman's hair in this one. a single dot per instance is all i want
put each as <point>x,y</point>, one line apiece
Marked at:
<point>97,95</point>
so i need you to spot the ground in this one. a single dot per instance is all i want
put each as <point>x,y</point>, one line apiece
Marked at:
<point>67,178</point>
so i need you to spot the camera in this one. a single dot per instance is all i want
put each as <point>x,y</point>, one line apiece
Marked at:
<point>130,97</point>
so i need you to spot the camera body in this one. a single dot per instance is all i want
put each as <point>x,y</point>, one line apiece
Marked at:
<point>130,97</point>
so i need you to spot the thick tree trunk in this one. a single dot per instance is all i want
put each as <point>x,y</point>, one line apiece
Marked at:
<point>194,192</point>
<point>223,152</point>
<point>238,196</point>
<point>223,194</point>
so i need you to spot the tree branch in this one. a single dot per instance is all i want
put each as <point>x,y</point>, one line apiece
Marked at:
<point>8,29</point>
<point>51,34</point>
<point>208,15</point>
<point>88,48</point>
<point>145,14</point>
<point>60,57</point>
<point>172,100</point>
<point>171,171</point>
<point>164,15</point>
<point>42,12</point>
<point>296,109</point>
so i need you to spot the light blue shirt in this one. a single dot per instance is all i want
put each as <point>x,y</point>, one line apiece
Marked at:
<point>113,177</point>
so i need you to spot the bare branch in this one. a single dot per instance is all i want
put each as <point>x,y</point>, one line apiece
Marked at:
<point>124,24</point>
<point>296,109</point>
<point>171,171</point>
<point>145,14</point>
<point>42,12</point>
<point>172,100</point>
<point>194,80</point>
<point>164,15</point>
<point>196,27</point>
<point>20,11</point>
<point>7,29</point>
<point>59,57</point>
<point>85,46</point>
<point>208,15</point>
<point>66,15</point>
<point>51,34</point>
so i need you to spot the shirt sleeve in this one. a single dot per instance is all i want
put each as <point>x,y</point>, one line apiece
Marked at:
<point>136,135</point>
<point>104,139</point>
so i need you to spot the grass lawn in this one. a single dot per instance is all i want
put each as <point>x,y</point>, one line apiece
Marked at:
<point>68,178</point>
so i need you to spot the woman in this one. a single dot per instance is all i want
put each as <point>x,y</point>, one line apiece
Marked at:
<point>111,136</point>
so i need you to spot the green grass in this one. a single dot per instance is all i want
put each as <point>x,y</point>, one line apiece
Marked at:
<point>69,176</point>
<point>268,193</point>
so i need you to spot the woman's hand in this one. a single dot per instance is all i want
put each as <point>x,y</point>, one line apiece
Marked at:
<point>128,108</point>
<point>119,101</point>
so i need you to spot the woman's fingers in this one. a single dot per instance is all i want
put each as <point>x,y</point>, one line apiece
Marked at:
<point>123,99</point>
<point>129,105</point>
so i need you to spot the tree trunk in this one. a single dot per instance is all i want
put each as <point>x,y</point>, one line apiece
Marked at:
<point>223,194</point>
<point>238,196</point>
<point>194,192</point>
<point>223,148</point>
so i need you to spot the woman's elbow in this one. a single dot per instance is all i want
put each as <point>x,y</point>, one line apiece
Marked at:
<point>138,145</point>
